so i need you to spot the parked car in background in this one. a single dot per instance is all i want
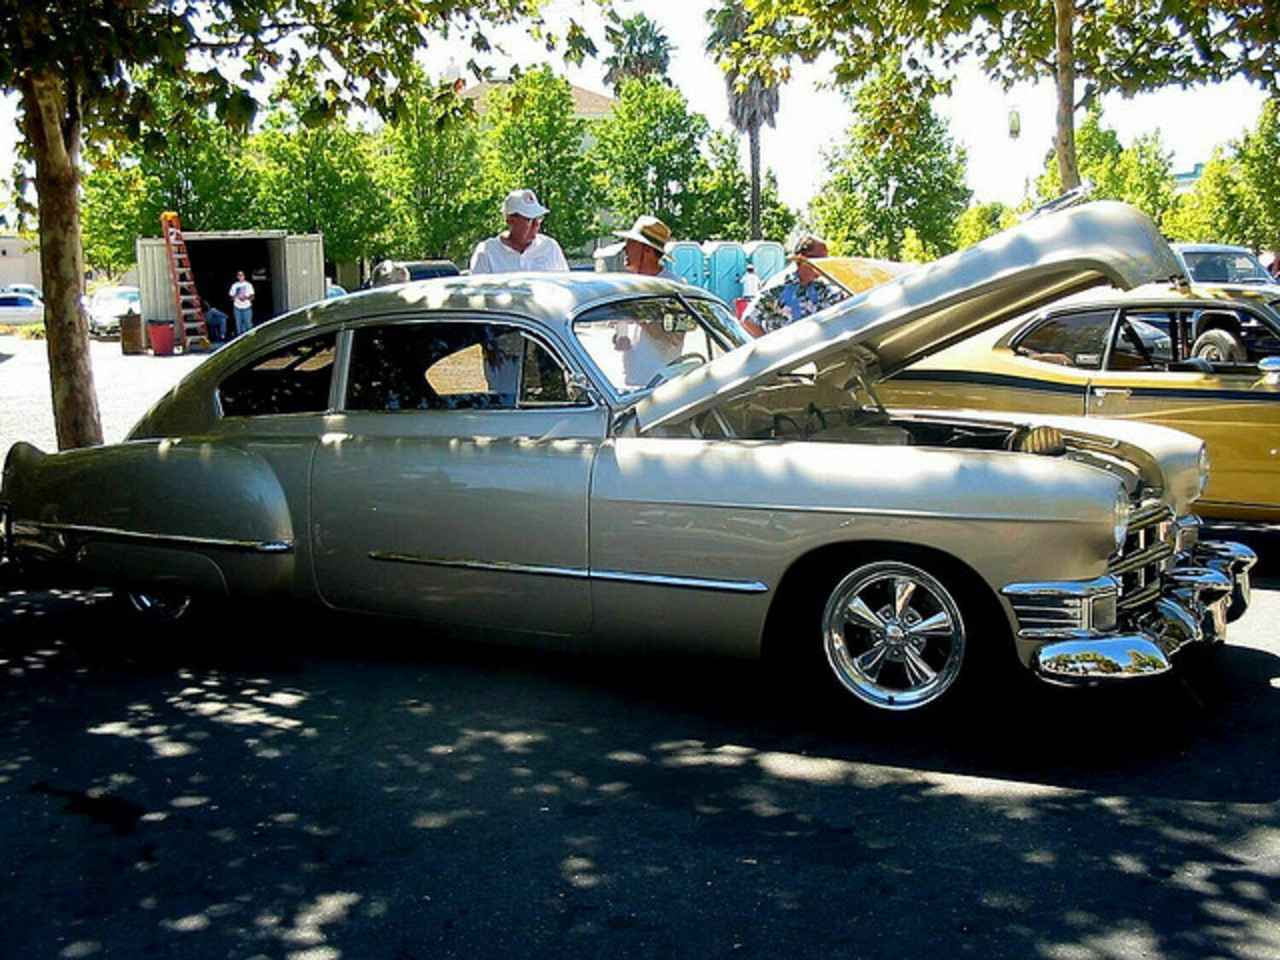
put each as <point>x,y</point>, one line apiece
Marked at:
<point>107,305</point>
<point>402,271</point>
<point>27,288</point>
<point>20,309</point>
<point>332,289</point>
<point>610,459</point>
<point>1130,356</point>
<point>1220,263</point>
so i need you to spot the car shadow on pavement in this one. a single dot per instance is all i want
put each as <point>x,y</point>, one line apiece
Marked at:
<point>319,786</point>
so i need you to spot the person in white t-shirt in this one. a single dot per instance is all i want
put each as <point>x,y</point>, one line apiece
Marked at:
<point>241,294</point>
<point>646,347</point>
<point>521,246</point>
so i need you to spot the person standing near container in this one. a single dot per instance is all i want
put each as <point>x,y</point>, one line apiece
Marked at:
<point>242,304</point>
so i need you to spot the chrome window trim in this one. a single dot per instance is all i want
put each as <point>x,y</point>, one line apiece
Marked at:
<point>577,573</point>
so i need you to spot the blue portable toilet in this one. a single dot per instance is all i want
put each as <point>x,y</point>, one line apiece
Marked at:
<point>767,256</point>
<point>726,263</point>
<point>687,262</point>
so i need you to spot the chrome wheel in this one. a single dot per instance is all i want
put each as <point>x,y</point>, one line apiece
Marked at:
<point>893,635</point>
<point>160,606</point>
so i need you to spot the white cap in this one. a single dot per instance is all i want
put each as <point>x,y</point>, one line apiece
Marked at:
<point>525,203</point>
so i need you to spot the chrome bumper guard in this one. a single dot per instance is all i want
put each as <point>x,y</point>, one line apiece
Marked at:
<point>1084,642</point>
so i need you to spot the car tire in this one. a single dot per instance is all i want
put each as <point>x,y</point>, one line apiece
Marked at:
<point>895,636</point>
<point>1219,346</point>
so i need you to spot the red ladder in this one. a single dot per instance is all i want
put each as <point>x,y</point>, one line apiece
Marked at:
<point>189,331</point>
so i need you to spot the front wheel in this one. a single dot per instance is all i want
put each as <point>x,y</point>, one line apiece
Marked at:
<point>894,636</point>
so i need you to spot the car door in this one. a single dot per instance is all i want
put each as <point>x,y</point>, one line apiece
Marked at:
<point>1231,406</point>
<point>453,483</point>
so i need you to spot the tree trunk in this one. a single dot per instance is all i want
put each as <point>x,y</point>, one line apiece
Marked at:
<point>53,130</point>
<point>753,144</point>
<point>1064,142</point>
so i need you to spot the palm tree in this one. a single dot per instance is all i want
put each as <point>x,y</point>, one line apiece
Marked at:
<point>753,101</point>
<point>640,49</point>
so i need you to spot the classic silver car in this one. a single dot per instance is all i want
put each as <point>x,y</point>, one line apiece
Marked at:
<point>609,457</point>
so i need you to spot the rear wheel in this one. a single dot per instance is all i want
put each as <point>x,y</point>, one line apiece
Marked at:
<point>157,606</point>
<point>1218,346</point>
<point>894,636</point>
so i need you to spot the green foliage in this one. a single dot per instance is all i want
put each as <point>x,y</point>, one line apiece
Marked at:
<point>1235,199</point>
<point>535,141</point>
<point>648,156</point>
<point>1141,174</point>
<point>318,179</point>
<point>640,50</point>
<point>724,197</point>
<point>1258,160</point>
<point>982,220</point>
<point>442,201</point>
<point>897,170</point>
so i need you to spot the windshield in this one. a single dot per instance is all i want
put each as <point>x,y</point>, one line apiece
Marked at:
<point>638,343</point>
<point>1226,266</point>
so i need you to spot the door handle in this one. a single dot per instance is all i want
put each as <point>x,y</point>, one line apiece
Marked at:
<point>1112,392</point>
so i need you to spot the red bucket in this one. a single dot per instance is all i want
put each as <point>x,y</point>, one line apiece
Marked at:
<point>161,337</point>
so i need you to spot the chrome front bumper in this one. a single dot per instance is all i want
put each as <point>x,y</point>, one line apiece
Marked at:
<point>1082,641</point>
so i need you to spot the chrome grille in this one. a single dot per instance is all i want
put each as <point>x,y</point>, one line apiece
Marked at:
<point>1149,548</point>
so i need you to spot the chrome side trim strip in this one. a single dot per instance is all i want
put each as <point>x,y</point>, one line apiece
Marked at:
<point>575,573</point>
<point>250,546</point>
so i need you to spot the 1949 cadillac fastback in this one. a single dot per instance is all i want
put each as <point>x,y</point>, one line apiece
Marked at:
<point>610,458</point>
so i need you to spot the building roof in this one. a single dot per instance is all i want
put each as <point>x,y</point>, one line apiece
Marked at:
<point>587,104</point>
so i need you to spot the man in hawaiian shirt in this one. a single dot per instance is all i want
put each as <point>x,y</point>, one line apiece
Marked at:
<point>794,293</point>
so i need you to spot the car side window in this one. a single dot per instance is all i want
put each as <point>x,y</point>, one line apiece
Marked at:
<point>1143,341</point>
<point>453,366</point>
<point>292,379</point>
<point>1069,339</point>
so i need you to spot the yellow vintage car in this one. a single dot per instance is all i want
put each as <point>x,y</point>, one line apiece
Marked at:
<point>1131,355</point>
<point>857,274</point>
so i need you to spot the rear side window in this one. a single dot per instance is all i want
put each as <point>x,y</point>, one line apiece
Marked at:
<point>453,366</point>
<point>292,379</point>
<point>1072,339</point>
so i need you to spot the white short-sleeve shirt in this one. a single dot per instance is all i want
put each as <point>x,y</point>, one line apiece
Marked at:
<point>494,256</point>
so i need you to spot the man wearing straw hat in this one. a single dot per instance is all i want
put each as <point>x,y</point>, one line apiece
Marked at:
<point>645,251</point>
<point>646,347</point>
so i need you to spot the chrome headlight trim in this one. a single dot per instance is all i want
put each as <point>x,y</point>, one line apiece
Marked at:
<point>1204,470</point>
<point>1120,517</point>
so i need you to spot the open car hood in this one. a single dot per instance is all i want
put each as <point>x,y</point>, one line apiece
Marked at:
<point>935,305</point>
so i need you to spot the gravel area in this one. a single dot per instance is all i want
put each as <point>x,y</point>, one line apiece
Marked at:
<point>127,386</point>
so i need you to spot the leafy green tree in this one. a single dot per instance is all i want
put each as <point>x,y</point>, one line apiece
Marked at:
<point>753,98</point>
<point>74,66</point>
<point>1212,211</point>
<point>1257,161</point>
<point>897,170</point>
<point>982,220</point>
<point>442,199</point>
<point>723,192</point>
<point>1141,174</point>
<point>534,140</point>
<point>1085,48</point>
<point>319,179</point>
<point>640,50</point>
<point>648,156</point>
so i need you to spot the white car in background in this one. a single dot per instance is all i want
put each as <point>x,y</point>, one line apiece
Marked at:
<point>20,308</point>
<point>108,304</point>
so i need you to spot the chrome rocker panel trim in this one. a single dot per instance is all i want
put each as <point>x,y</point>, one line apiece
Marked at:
<point>616,576</point>
<point>33,530</point>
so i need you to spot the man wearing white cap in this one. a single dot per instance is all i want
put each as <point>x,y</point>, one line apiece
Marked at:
<point>520,246</point>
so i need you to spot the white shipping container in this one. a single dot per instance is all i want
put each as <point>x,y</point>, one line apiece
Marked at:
<point>286,270</point>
